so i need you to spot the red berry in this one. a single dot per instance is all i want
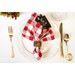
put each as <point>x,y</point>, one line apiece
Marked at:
<point>15,14</point>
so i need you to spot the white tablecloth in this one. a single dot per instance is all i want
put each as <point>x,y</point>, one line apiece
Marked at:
<point>69,27</point>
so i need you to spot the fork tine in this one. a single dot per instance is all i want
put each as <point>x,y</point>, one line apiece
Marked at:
<point>10,30</point>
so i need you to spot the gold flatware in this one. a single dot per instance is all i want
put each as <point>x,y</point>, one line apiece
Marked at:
<point>61,44</point>
<point>10,31</point>
<point>68,55</point>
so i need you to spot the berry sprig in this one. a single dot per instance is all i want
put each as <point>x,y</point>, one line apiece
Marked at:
<point>10,14</point>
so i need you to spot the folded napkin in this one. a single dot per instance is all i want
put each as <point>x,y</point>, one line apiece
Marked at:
<point>34,31</point>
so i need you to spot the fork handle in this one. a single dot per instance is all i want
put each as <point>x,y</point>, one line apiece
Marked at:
<point>12,52</point>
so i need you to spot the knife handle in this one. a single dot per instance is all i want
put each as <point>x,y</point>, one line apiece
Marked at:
<point>62,54</point>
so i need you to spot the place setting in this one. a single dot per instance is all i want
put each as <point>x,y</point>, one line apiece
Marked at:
<point>39,38</point>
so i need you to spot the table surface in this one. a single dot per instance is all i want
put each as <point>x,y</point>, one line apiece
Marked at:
<point>68,26</point>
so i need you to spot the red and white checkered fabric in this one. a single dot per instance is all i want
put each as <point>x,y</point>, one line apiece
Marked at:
<point>34,32</point>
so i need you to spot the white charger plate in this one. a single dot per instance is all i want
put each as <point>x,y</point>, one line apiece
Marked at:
<point>25,46</point>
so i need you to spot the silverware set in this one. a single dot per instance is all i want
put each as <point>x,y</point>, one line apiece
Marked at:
<point>68,56</point>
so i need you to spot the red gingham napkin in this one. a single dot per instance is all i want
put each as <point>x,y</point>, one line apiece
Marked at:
<point>35,32</point>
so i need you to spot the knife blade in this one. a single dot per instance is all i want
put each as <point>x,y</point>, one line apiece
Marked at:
<point>61,43</point>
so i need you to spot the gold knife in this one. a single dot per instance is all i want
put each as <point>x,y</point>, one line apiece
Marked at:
<point>61,43</point>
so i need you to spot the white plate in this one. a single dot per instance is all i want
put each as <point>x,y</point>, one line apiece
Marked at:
<point>25,46</point>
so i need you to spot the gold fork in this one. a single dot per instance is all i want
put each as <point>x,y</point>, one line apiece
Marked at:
<point>10,31</point>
